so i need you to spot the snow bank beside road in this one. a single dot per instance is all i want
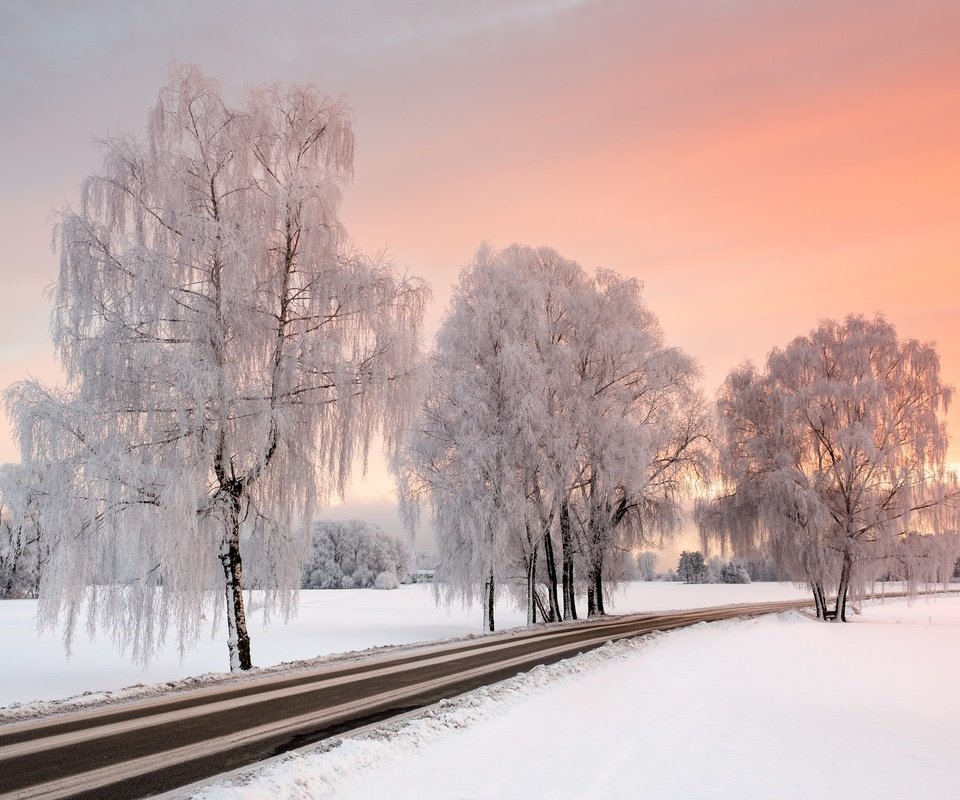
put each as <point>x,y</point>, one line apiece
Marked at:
<point>782,707</point>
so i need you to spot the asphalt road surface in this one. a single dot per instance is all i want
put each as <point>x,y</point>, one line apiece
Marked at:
<point>151,746</point>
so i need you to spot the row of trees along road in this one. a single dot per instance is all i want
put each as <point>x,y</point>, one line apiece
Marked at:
<point>557,430</point>
<point>229,357</point>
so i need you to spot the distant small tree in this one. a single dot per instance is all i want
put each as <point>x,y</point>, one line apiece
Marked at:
<point>734,572</point>
<point>715,565</point>
<point>692,567</point>
<point>762,569</point>
<point>354,555</point>
<point>386,580</point>
<point>647,565</point>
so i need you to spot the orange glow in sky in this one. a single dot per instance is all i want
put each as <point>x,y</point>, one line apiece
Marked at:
<point>760,166</point>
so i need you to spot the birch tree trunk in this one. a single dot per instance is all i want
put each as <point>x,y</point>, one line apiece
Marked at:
<point>532,587</point>
<point>819,599</point>
<point>566,543</point>
<point>595,588</point>
<point>488,598</point>
<point>238,639</point>
<point>840,612</point>
<point>551,561</point>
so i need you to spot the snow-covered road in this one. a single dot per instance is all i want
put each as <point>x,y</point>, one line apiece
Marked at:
<point>779,707</point>
<point>137,749</point>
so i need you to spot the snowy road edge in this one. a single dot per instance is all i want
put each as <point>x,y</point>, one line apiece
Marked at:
<point>319,769</point>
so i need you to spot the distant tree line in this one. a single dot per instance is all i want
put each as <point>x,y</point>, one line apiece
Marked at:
<point>355,555</point>
<point>692,567</point>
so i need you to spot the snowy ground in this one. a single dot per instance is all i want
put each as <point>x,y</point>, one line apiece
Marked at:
<point>777,707</point>
<point>328,622</point>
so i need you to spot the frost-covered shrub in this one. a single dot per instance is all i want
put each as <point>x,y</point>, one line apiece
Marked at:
<point>386,580</point>
<point>22,550</point>
<point>647,566</point>
<point>715,566</point>
<point>693,568</point>
<point>623,566</point>
<point>734,572</point>
<point>353,555</point>
<point>763,569</point>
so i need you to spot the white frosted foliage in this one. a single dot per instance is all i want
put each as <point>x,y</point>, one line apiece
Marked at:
<point>23,548</point>
<point>554,412</point>
<point>228,356</point>
<point>640,422</point>
<point>475,440</point>
<point>833,460</point>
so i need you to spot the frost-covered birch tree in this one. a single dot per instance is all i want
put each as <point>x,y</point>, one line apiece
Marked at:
<point>228,358</point>
<point>473,445</point>
<point>832,459</point>
<point>554,410</point>
<point>642,423</point>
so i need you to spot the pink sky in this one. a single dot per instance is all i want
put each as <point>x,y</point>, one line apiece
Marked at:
<point>760,166</point>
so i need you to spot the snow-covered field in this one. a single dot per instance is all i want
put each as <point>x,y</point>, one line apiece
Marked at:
<point>777,707</point>
<point>329,622</point>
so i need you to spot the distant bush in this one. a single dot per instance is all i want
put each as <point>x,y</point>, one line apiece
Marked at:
<point>734,572</point>
<point>354,555</point>
<point>23,550</point>
<point>694,569</point>
<point>763,569</point>
<point>647,566</point>
<point>386,580</point>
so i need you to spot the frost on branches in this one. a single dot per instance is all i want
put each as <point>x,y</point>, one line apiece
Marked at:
<point>354,555</point>
<point>228,358</point>
<point>557,433</point>
<point>23,550</point>
<point>832,459</point>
